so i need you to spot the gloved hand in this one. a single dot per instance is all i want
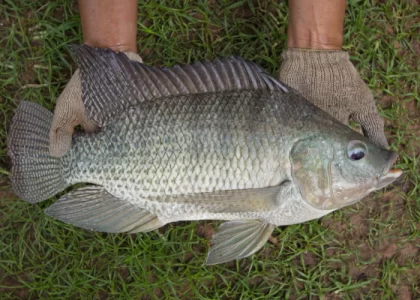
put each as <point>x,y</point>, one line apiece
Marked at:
<point>70,112</point>
<point>328,79</point>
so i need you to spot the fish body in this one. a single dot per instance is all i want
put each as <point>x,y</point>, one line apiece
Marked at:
<point>221,141</point>
<point>159,151</point>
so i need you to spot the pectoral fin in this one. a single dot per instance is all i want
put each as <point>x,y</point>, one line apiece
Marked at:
<point>234,201</point>
<point>94,208</point>
<point>238,239</point>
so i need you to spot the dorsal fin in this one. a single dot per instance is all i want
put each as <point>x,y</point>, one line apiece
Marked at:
<point>112,82</point>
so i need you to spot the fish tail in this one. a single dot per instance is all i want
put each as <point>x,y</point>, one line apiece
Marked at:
<point>35,175</point>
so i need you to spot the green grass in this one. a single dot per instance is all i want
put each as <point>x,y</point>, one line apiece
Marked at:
<point>367,251</point>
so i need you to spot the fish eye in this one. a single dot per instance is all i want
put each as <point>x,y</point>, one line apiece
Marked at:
<point>356,150</point>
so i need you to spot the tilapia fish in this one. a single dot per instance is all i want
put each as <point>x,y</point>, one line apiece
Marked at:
<point>218,140</point>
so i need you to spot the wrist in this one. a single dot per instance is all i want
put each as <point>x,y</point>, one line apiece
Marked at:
<point>109,24</point>
<point>316,24</point>
<point>118,45</point>
<point>305,57</point>
<point>308,38</point>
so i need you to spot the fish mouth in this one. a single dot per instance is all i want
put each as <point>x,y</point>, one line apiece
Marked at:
<point>392,158</point>
<point>389,175</point>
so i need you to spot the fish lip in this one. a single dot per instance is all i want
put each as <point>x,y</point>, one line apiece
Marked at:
<point>392,158</point>
<point>388,175</point>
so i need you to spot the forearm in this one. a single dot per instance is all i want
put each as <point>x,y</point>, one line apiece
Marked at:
<point>109,23</point>
<point>316,24</point>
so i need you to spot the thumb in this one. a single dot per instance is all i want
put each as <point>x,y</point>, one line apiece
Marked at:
<point>373,127</point>
<point>62,130</point>
<point>69,112</point>
<point>134,56</point>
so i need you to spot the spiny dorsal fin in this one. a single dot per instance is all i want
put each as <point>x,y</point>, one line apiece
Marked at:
<point>112,82</point>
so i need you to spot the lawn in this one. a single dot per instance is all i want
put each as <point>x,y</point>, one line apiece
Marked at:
<point>367,251</point>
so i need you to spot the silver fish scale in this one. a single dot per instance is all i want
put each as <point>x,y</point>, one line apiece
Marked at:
<point>186,145</point>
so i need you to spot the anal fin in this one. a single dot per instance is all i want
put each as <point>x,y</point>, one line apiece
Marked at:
<point>238,239</point>
<point>95,209</point>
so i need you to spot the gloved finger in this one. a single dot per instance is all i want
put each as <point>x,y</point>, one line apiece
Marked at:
<point>69,113</point>
<point>89,126</point>
<point>61,133</point>
<point>62,130</point>
<point>373,127</point>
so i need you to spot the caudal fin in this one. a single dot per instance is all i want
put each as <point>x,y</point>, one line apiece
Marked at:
<point>36,176</point>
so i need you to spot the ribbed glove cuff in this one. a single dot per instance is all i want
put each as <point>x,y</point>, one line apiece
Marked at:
<point>309,55</point>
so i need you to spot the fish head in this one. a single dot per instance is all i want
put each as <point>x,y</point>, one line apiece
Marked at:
<point>332,172</point>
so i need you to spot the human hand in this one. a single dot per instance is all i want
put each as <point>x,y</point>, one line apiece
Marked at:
<point>70,112</point>
<point>328,79</point>
<point>106,24</point>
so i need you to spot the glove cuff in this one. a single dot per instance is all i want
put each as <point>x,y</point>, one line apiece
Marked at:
<point>310,56</point>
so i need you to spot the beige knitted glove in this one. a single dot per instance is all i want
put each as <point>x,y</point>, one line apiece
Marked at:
<point>329,80</point>
<point>70,112</point>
